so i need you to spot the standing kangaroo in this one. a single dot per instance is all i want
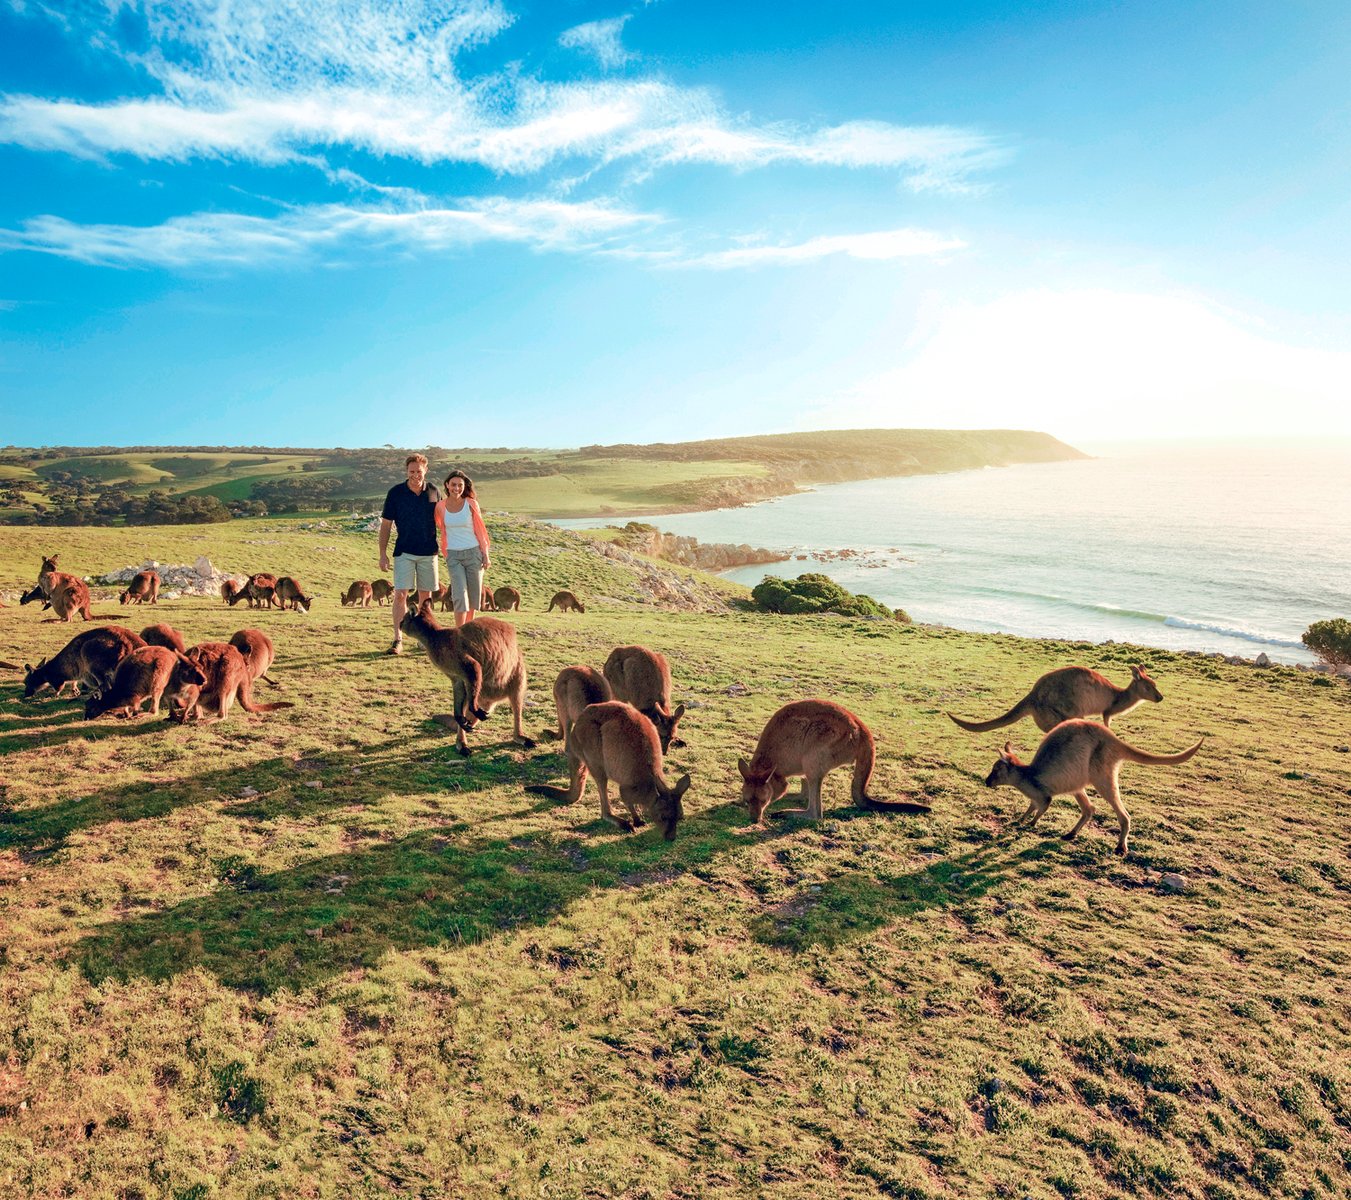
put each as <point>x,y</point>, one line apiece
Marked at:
<point>506,598</point>
<point>811,738</point>
<point>381,590</point>
<point>1073,756</point>
<point>227,680</point>
<point>146,674</point>
<point>289,591</point>
<point>261,590</point>
<point>1072,692</point>
<point>575,688</point>
<point>641,677</point>
<point>258,652</point>
<point>358,595</point>
<point>143,589</point>
<point>67,594</point>
<point>482,660</point>
<point>566,602</point>
<point>617,744</point>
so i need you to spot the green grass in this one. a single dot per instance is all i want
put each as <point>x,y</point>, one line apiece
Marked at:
<point>416,980</point>
<point>185,471</point>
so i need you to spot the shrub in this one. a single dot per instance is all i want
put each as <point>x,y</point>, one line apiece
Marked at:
<point>1330,640</point>
<point>816,593</point>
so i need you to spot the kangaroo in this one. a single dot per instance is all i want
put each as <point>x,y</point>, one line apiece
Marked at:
<point>69,595</point>
<point>258,652</point>
<point>811,738</point>
<point>35,593</point>
<point>145,674</point>
<point>617,744</point>
<point>1072,692</point>
<point>143,589</point>
<point>232,593</point>
<point>641,677</point>
<point>483,661</point>
<point>358,595</point>
<point>1073,756</point>
<point>88,659</point>
<point>566,602</point>
<point>506,598</point>
<point>289,591</point>
<point>381,591</point>
<point>485,601</point>
<point>163,635</point>
<point>574,689</point>
<point>227,680</point>
<point>261,590</point>
<point>444,597</point>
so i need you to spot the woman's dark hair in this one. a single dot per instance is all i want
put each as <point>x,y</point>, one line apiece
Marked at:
<point>468,483</point>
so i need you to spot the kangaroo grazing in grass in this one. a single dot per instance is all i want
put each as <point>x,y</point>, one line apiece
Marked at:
<point>261,590</point>
<point>89,659</point>
<point>35,593</point>
<point>149,673</point>
<point>1072,692</point>
<point>617,744</point>
<point>507,598</point>
<point>143,589</point>
<point>232,593</point>
<point>811,738</point>
<point>566,602</point>
<point>163,635</point>
<point>381,590</point>
<point>1075,755</point>
<point>642,677</point>
<point>482,660</point>
<point>359,595</point>
<point>575,688</point>
<point>289,592</point>
<point>258,652</point>
<point>227,680</point>
<point>485,600</point>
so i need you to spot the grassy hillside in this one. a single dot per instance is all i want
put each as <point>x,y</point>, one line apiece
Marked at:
<point>316,953</point>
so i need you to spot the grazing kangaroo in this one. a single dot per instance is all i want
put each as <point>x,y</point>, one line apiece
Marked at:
<point>485,600</point>
<point>146,674</point>
<point>289,591</point>
<point>258,652</point>
<point>617,744</point>
<point>261,590</point>
<point>163,635</point>
<point>566,602</point>
<point>232,593</point>
<point>482,660</point>
<point>381,590</point>
<point>1073,756</point>
<point>507,598</point>
<point>227,680</point>
<point>143,589</point>
<point>811,738</point>
<point>359,595</point>
<point>1072,692</point>
<point>574,689</point>
<point>442,596</point>
<point>35,593</point>
<point>89,659</point>
<point>641,677</point>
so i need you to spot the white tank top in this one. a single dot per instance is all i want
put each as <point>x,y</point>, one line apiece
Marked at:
<point>460,529</point>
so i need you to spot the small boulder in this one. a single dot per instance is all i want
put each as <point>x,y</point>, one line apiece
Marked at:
<point>1262,660</point>
<point>1171,881</point>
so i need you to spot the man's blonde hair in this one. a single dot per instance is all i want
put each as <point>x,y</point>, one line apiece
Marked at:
<point>414,458</point>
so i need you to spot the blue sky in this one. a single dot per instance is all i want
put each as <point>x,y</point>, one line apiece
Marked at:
<point>494,223</point>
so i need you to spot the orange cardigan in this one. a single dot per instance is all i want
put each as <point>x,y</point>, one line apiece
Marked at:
<point>480,529</point>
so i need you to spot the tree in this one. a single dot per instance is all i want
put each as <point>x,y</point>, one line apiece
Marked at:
<point>1330,640</point>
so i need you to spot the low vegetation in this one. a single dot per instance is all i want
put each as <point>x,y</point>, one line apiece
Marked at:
<point>1331,641</point>
<point>816,593</point>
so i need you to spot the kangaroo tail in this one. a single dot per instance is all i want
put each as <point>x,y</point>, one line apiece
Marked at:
<point>6,665</point>
<point>896,806</point>
<point>1160,760</point>
<point>1016,713</point>
<point>544,789</point>
<point>245,698</point>
<point>864,757</point>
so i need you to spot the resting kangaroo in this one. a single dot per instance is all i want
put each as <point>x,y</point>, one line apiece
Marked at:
<point>506,598</point>
<point>1073,756</point>
<point>483,661</point>
<point>146,674</point>
<point>163,635</point>
<point>1072,692</point>
<point>358,595</point>
<point>89,658</point>
<point>574,689</point>
<point>290,592</point>
<point>641,677</point>
<point>227,680</point>
<point>810,738</point>
<point>617,744</point>
<point>143,589</point>
<point>566,602</point>
<point>258,652</point>
<point>381,590</point>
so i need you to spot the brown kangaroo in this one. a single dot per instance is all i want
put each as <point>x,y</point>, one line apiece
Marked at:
<point>358,595</point>
<point>642,677</point>
<point>232,593</point>
<point>507,598</point>
<point>482,660</point>
<point>289,592</point>
<point>574,689</point>
<point>227,680</point>
<point>1073,756</point>
<point>89,658</point>
<point>443,597</point>
<point>143,589</point>
<point>1072,692</point>
<point>261,590</point>
<point>566,602</point>
<point>163,635</point>
<point>617,744</point>
<point>146,674</point>
<point>811,738</point>
<point>258,652</point>
<point>485,601</point>
<point>69,595</point>
<point>381,590</point>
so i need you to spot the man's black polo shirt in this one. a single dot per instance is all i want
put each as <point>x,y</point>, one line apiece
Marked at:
<point>414,517</point>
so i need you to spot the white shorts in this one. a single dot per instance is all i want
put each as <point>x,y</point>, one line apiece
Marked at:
<point>415,573</point>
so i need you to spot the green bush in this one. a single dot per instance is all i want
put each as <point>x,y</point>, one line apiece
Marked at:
<point>1330,640</point>
<point>816,593</point>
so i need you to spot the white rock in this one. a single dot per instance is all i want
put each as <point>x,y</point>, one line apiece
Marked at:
<point>1171,881</point>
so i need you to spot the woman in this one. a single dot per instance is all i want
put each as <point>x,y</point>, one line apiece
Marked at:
<point>464,542</point>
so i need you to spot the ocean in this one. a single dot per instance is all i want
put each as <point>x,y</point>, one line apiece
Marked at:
<point>1228,547</point>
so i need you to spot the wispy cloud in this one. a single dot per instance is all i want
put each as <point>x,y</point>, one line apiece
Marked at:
<point>601,40</point>
<point>877,246</point>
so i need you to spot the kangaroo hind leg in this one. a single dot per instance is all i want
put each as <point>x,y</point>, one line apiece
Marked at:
<point>1086,810</point>
<point>1110,790</point>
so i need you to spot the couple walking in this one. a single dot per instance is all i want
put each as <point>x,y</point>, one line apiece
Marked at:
<point>419,511</point>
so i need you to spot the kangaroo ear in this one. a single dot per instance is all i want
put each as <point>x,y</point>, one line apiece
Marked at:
<point>679,712</point>
<point>744,767</point>
<point>1135,670</point>
<point>28,668</point>
<point>1007,753</point>
<point>682,786</point>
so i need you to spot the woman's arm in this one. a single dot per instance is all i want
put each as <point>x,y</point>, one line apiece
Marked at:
<point>480,532</point>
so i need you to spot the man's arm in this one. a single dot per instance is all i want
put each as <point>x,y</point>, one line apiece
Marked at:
<point>385,526</point>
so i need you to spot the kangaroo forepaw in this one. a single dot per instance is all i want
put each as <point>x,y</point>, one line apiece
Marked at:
<point>528,742</point>
<point>464,751</point>
<point>481,714</point>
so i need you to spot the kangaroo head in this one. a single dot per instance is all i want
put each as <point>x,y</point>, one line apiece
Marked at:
<point>188,674</point>
<point>34,679</point>
<point>664,807</point>
<point>122,599</point>
<point>1143,685</point>
<point>666,723</point>
<point>1005,769</point>
<point>49,564</point>
<point>759,789</point>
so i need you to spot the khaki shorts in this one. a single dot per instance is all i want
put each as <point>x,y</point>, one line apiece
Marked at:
<point>415,573</point>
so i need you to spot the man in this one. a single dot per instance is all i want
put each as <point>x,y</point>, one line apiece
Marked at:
<point>410,506</point>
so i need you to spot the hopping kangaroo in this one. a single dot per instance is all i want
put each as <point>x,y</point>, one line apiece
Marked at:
<point>290,592</point>
<point>163,635</point>
<point>810,738</point>
<point>1073,756</point>
<point>227,680</point>
<point>506,598</point>
<point>641,677</point>
<point>359,595</point>
<point>146,674</point>
<point>143,589</point>
<point>566,602</point>
<point>575,688</point>
<point>617,744</point>
<point>482,660</point>
<point>258,652</point>
<point>1072,692</point>
<point>381,590</point>
<point>89,658</point>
